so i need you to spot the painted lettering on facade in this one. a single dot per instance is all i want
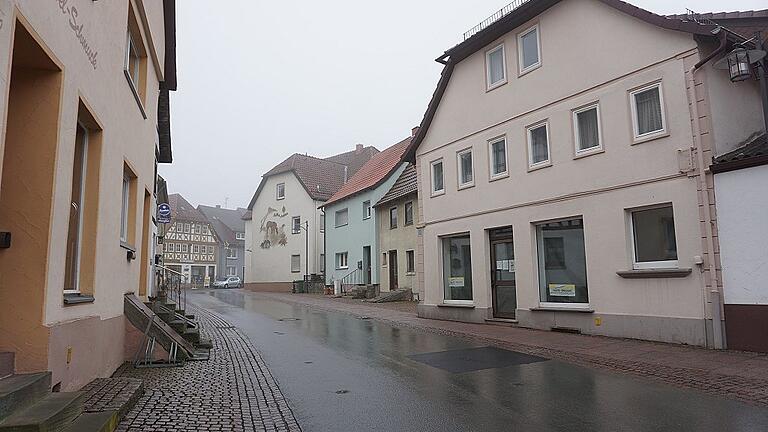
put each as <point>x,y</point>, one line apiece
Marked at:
<point>77,29</point>
<point>274,231</point>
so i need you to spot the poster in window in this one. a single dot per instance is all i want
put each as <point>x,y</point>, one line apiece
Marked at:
<point>456,282</point>
<point>562,290</point>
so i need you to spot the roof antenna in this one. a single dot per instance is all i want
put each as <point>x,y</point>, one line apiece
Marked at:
<point>226,201</point>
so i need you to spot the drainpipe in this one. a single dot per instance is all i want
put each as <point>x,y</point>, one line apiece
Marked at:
<point>714,293</point>
<point>763,79</point>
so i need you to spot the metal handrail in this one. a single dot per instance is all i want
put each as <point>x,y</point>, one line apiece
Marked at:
<point>493,18</point>
<point>355,277</point>
<point>169,270</point>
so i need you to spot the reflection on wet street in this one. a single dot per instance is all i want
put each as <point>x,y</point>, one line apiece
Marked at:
<point>342,373</point>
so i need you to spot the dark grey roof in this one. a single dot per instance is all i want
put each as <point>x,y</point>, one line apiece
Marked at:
<point>404,185</point>
<point>753,153</point>
<point>231,218</point>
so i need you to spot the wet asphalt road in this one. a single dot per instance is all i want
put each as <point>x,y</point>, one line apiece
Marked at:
<point>341,373</point>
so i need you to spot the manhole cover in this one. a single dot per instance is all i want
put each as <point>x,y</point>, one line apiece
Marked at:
<point>289,319</point>
<point>474,359</point>
<point>279,333</point>
<point>364,317</point>
<point>342,391</point>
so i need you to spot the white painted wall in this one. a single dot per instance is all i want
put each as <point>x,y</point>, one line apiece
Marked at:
<point>742,209</point>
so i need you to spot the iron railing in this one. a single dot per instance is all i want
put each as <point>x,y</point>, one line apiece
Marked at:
<point>353,278</point>
<point>171,286</point>
<point>493,18</point>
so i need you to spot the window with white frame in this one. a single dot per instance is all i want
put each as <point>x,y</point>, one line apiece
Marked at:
<point>195,248</point>
<point>296,225</point>
<point>231,271</point>
<point>185,248</point>
<point>124,208</point>
<point>586,123</point>
<point>178,247</point>
<point>538,145</point>
<point>186,228</point>
<point>280,191</point>
<point>341,260</point>
<point>295,263</point>
<point>366,209</point>
<point>393,218</point>
<point>465,168</point>
<point>231,253</point>
<point>457,269</point>
<point>498,157</point>
<point>410,262</point>
<point>438,186</point>
<point>529,49</point>
<point>240,236</point>
<point>496,67</point>
<point>562,263</point>
<point>342,217</point>
<point>198,229</point>
<point>132,60</point>
<point>647,106</point>
<point>409,213</point>
<point>653,238</point>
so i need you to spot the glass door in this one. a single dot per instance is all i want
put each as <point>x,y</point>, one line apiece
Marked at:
<point>503,273</point>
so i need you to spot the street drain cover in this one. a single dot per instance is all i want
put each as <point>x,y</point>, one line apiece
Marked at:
<point>278,333</point>
<point>289,319</point>
<point>342,391</point>
<point>474,359</point>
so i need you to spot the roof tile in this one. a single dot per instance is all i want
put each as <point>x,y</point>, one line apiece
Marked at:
<point>404,185</point>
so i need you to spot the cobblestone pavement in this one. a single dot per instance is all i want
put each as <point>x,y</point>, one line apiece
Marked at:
<point>231,392</point>
<point>735,375</point>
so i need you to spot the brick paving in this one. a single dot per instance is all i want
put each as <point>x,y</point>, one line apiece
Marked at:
<point>112,394</point>
<point>735,375</point>
<point>233,391</point>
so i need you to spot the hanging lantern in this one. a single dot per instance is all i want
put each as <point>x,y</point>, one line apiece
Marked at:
<point>739,65</point>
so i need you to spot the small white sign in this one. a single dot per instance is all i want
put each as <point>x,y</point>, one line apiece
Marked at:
<point>456,282</point>
<point>562,290</point>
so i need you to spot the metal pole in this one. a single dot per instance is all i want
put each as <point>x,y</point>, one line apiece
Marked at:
<point>763,64</point>
<point>306,256</point>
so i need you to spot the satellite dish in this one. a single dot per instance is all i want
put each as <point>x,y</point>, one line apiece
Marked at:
<point>754,56</point>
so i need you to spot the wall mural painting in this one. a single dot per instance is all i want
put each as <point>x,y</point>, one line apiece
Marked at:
<point>274,232</point>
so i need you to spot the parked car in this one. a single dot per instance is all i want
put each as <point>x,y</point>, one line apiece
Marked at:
<point>230,282</point>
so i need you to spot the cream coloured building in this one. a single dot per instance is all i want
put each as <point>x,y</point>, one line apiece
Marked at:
<point>85,120</point>
<point>561,165</point>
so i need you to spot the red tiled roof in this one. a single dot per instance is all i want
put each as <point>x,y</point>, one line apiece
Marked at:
<point>181,209</point>
<point>374,172</point>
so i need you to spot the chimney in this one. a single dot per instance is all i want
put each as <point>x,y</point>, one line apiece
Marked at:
<point>358,148</point>
<point>414,131</point>
<point>346,174</point>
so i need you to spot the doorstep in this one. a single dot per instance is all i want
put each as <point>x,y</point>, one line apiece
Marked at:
<point>506,322</point>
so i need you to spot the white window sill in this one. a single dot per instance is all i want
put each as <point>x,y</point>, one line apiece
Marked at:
<point>438,193</point>
<point>466,186</point>
<point>655,273</point>
<point>589,152</point>
<point>540,165</point>
<point>529,69</point>
<point>499,176</point>
<point>649,137</point>
<point>493,87</point>
<point>550,307</point>
<point>465,305</point>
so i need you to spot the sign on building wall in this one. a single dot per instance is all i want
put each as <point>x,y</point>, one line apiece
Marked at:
<point>164,213</point>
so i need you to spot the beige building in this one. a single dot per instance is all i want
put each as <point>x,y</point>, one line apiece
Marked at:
<point>561,167</point>
<point>397,213</point>
<point>85,119</point>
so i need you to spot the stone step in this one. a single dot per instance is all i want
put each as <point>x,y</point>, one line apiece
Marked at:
<point>180,312</point>
<point>192,335</point>
<point>51,413</point>
<point>6,363</point>
<point>179,325</point>
<point>94,422</point>
<point>204,343</point>
<point>22,390</point>
<point>190,316</point>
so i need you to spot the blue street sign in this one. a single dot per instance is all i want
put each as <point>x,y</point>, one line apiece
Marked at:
<point>163,213</point>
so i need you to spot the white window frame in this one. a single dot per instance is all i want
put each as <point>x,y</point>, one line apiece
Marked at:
<point>186,228</point>
<point>297,269</point>
<point>366,209</point>
<point>489,85</point>
<point>637,137</point>
<point>336,218</point>
<point>295,229</point>
<point>520,36</point>
<point>126,192</point>
<point>278,195</point>
<point>459,172</point>
<point>577,136</point>
<point>491,164</point>
<point>196,249</point>
<point>178,247</point>
<point>232,272</point>
<point>132,51</point>
<point>433,191</point>
<point>80,217</point>
<point>528,130</point>
<point>650,265</point>
<point>339,256</point>
<point>410,252</point>
<point>231,253</point>
<point>540,261</point>
<point>185,248</point>
<point>240,236</point>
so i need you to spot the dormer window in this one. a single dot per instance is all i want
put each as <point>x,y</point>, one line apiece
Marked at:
<point>496,67</point>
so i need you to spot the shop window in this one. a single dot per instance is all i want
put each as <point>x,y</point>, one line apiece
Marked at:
<point>562,263</point>
<point>457,269</point>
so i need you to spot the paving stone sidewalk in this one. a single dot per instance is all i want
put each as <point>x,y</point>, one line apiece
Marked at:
<point>233,391</point>
<point>736,375</point>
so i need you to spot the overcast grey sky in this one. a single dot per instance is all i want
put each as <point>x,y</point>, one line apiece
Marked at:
<point>260,80</point>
